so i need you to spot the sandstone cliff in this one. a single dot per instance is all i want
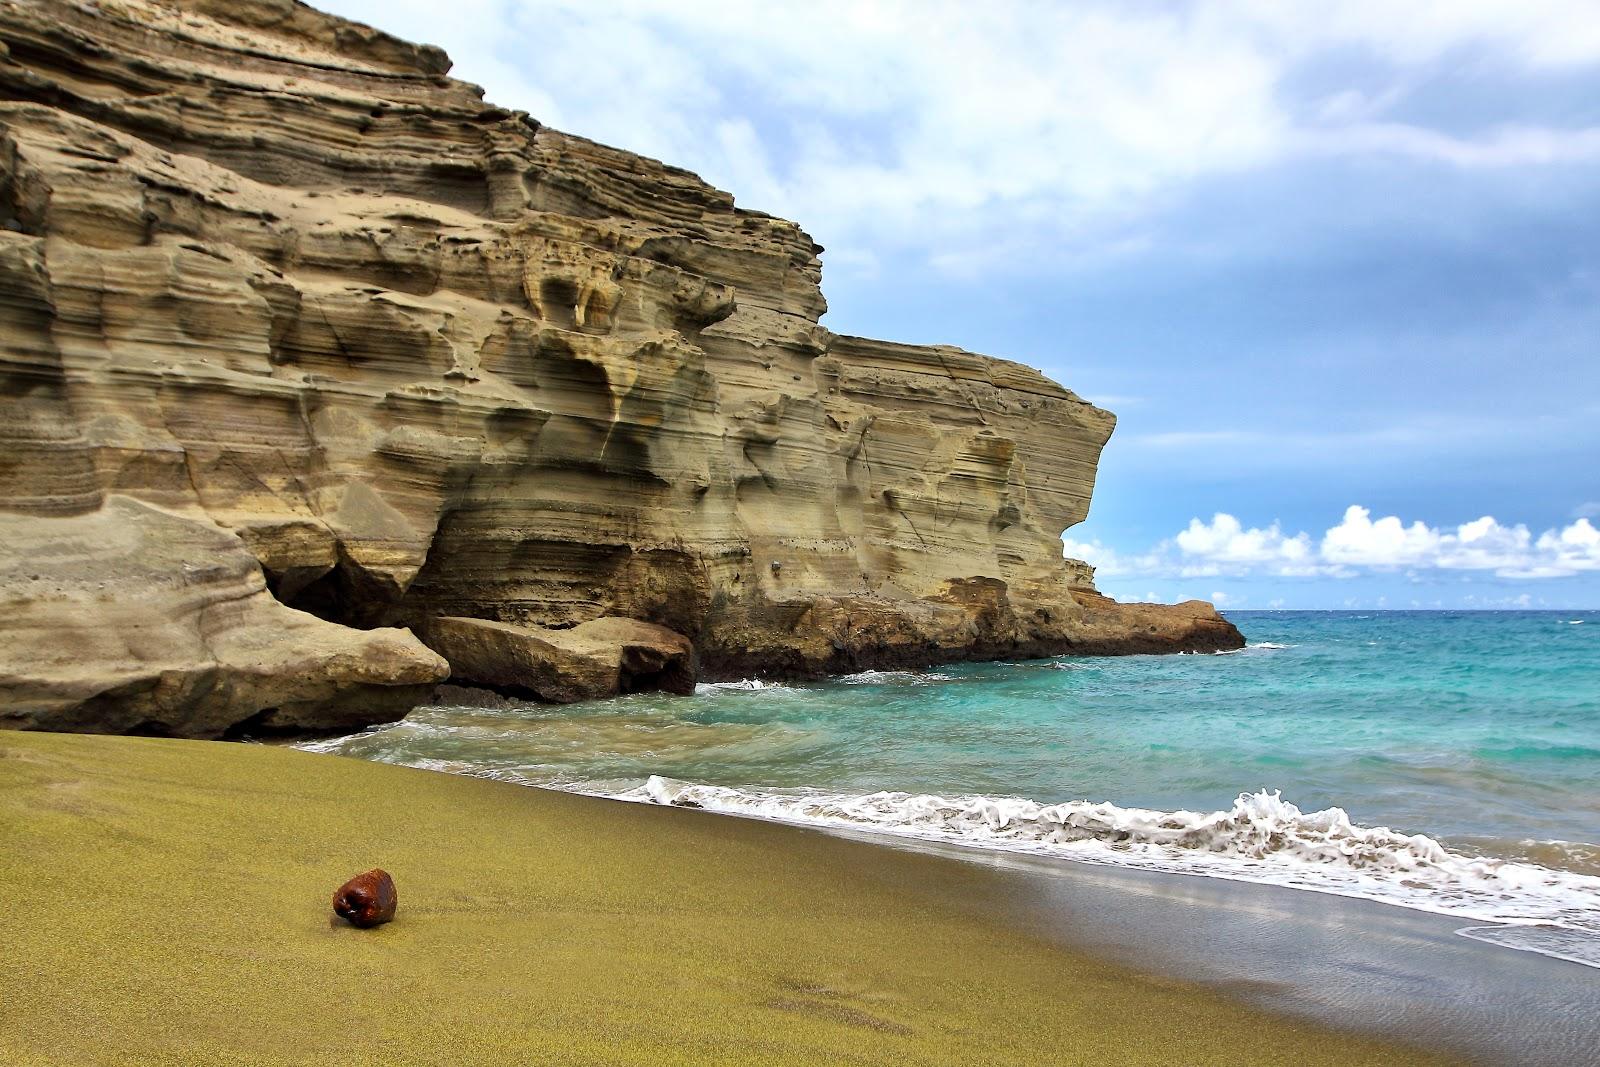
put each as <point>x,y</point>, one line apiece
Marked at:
<point>306,348</point>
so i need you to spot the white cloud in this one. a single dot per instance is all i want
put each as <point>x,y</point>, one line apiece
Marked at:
<point>1520,600</point>
<point>1480,545</point>
<point>1384,543</point>
<point>967,131</point>
<point>1131,597</point>
<point>1222,546</point>
<point>1504,146</point>
<point>1484,544</point>
<point>1107,562</point>
<point>1538,34</point>
<point>1571,550</point>
<point>1358,543</point>
<point>1224,540</point>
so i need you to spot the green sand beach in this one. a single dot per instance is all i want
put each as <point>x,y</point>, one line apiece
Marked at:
<point>167,902</point>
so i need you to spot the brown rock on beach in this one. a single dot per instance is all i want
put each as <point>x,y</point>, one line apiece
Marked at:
<point>367,899</point>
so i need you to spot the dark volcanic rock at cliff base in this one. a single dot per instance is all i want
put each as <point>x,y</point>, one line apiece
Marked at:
<point>1113,629</point>
<point>971,621</point>
<point>417,357</point>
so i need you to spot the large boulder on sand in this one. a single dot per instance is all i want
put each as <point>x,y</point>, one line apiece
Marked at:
<point>600,658</point>
<point>131,619</point>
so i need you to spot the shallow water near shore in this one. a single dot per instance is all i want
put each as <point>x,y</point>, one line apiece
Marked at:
<point>1441,761</point>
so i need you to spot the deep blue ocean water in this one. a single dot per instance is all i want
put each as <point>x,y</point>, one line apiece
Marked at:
<point>1479,730</point>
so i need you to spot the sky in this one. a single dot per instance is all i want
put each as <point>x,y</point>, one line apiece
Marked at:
<point>1335,267</point>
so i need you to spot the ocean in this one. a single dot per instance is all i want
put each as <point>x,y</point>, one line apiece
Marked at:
<point>1444,761</point>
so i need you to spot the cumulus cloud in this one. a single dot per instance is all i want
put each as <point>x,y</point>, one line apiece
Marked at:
<point>1569,551</point>
<point>1222,546</point>
<point>920,123</point>
<point>1107,562</point>
<point>1385,542</point>
<point>1225,541</point>
<point>1358,543</point>
<point>1483,544</point>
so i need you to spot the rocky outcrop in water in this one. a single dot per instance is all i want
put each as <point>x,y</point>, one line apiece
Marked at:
<point>361,352</point>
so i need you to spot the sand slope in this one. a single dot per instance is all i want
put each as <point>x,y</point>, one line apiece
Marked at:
<point>168,902</point>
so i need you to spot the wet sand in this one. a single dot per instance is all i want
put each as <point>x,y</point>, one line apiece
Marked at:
<point>167,902</point>
<point>1377,968</point>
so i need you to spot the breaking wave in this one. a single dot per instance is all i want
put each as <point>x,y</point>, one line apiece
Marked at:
<point>1254,646</point>
<point>745,685</point>
<point>893,678</point>
<point>1261,838</point>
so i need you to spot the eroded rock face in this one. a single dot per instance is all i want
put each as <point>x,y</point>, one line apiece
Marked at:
<point>424,358</point>
<point>597,659</point>
<point>130,619</point>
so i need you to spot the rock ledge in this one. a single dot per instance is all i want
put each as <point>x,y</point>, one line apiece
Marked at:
<point>600,658</point>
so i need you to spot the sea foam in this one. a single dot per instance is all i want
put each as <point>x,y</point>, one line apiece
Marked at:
<point>1261,838</point>
<point>1254,646</point>
<point>893,678</point>
<point>745,685</point>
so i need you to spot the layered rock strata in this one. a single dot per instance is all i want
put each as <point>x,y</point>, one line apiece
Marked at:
<point>405,357</point>
<point>593,660</point>
<point>131,619</point>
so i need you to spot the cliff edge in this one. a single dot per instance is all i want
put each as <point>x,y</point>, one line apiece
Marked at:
<point>314,363</point>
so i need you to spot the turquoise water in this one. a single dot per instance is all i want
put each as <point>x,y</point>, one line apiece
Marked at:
<point>1479,730</point>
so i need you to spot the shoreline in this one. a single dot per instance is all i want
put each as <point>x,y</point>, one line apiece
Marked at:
<point>1496,930</point>
<point>1367,966</point>
<point>1481,881</point>
<point>170,905</point>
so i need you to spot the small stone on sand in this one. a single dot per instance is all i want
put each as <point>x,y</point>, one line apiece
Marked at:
<point>367,899</point>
